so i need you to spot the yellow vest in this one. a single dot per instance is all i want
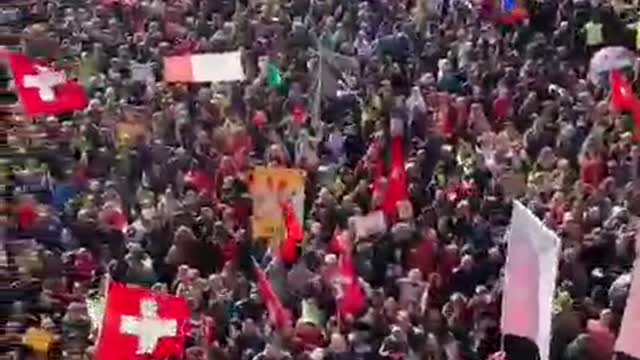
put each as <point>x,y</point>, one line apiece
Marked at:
<point>594,33</point>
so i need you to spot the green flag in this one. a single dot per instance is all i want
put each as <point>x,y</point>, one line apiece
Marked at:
<point>274,77</point>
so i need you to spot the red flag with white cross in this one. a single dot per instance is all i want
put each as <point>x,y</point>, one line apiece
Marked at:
<point>142,324</point>
<point>44,91</point>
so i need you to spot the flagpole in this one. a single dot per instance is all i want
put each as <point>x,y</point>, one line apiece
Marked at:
<point>317,101</point>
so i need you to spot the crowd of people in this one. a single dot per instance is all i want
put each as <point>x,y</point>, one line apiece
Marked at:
<point>489,111</point>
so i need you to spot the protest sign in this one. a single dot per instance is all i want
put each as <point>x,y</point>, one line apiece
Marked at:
<point>269,187</point>
<point>204,68</point>
<point>370,224</point>
<point>142,72</point>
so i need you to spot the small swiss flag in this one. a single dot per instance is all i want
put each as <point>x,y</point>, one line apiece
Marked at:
<point>141,324</point>
<point>44,91</point>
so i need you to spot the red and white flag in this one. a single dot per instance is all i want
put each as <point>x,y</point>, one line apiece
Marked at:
<point>530,275</point>
<point>204,68</point>
<point>44,91</point>
<point>350,297</point>
<point>141,324</point>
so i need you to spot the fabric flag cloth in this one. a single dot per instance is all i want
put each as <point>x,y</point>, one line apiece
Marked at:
<point>275,79</point>
<point>397,183</point>
<point>627,341</point>
<point>396,189</point>
<point>340,243</point>
<point>200,181</point>
<point>532,259</point>
<point>141,324</point>
<point>350,297</point>
<point>294,235</point>
<point>204,67</point>
<point>624,100</point>
<point>44,91</point>
<point>622,96</point>
<point>278,314</point>
<point>509,6</point>
<point>511,12</point>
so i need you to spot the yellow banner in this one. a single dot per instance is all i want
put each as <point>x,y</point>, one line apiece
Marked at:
<point>269,187</point>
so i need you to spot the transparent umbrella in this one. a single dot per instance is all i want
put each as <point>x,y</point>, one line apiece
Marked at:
<point>608,59</point>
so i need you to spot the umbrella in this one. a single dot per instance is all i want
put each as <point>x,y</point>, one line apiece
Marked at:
<point>608,59</point>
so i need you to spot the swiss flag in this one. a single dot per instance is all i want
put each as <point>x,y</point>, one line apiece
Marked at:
<point>142,324</point>
<point>44,91</point>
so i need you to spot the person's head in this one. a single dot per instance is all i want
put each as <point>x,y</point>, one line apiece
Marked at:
<point>249,327</point>
<point>397,333</point>
<point>415,275</point>
<point>337,343</point>
<point>467,263</point>
<point>606,317</point>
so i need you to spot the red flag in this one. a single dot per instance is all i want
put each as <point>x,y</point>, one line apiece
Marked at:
<point>340,243</point>
<point>278,314</point>
<point>350,298</point>
<point>200,180</point>
<point>622,96</point>
<point>511,12</point>
<point>623,99</point>
<point>294,235</point>
<point>142,324</point>
<point>397,184</point>
<point>44,91</point>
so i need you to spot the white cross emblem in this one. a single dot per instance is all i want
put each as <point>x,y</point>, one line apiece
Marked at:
<point>149,328</point>
<point>45,81</point>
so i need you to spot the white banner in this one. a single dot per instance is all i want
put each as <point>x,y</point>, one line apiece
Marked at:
<point>530,275</point>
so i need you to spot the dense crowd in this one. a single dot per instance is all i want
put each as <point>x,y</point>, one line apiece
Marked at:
<point>489,111</point>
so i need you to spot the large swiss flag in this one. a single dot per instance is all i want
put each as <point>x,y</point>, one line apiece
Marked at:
<point>141,324</point>
<point>44,91</point>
